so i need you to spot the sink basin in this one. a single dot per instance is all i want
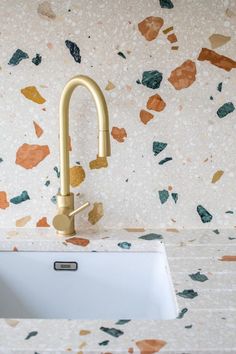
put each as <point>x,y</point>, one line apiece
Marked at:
<point>86,285</point>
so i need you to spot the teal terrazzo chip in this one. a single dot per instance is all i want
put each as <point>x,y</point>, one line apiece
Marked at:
<point>74,50</point>
<point>204,214</point>
<point>20,198</point>
<point>1,160</point>
<point>56,169</point>
<point>216,231</point>
<point>188,326</point>
<point>157,147</point>
<point>17,57</point>
<point>54,199</point>
<point>47,183</point>
<point>163,196</point>
<point>219,86</point>
<point>175,197</point>
<point>229,212</point>
<point>122,322</point>
<point>224,110</point>
<point>105,342</point>
<point>152,79</point>
<point>211,98</point>
<point>198,277</point>
<point>166,4</point>
<point>188,294</point>
<point>31,334</point>
<point>182,313</point>
<point>151,237</point>
<point>121,55</point>
<point>166,159</point>
<point>112,331</point>
<point>37,59</point>
<point>124,245</point>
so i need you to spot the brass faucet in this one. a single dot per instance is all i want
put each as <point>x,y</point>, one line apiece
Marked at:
<point>64,221</point>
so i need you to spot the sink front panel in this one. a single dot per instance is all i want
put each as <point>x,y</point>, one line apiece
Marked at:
<point>106,285</point>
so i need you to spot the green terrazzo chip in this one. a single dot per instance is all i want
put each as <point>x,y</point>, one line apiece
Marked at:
<point>124,245</point>
<point>20,198</point>
<point>198,277</point>
<point>152,79</point>
<point>74,50</point>
<point>54,199</point>
<point>157,147</point>
<point>121,322</point>
<point>37,59</point>
<point>188,294</point>
<point>204,214</point>
<point>121,55</point>
<point>175,197</point>
<point>166,159</point>
<point>151,237</point>
<point>188,326</point>
<point>17,57</point>
<point>112,331</point>
<point>56,169</point>
<point>166,4</point>
<point>224,110</point>
<point>163,195</point>
<point>31,334</point>
<point>219,86</point>
<point>105,342</point>
<point>182,313</point>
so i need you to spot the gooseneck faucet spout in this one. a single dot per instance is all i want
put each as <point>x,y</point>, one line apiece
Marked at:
<point>64,220</point>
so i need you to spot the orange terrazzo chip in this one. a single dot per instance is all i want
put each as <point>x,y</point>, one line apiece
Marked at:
<point>228,258</point>
<point>100,162</point>
<point>150,27</point>
<point>38,129</point>
<point>119,134</point>
<point>145,116</point>
<point>96,213</point>
<point>172,38</point>
<point>184,75</point>
<point>150,346</point>
<point>33,94</point>
<point>42,222</point>
<point>29,156</point>
<point>3,200</point>
<point>156,103</point>
<point>78,241</point>
<point>77,176</point>
<point>216,59</point>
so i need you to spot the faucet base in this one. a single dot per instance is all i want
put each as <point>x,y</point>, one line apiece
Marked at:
<point>63,223</point>
<point>65,233</point>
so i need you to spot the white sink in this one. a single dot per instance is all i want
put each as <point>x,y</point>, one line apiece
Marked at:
<point>106,285</point>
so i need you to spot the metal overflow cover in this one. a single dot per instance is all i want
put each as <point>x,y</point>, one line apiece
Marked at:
<point>65,265</point>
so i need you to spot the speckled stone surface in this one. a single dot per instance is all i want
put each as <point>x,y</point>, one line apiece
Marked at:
<point>206,322</point>
<point>127,46</point>
<point>160,65</point>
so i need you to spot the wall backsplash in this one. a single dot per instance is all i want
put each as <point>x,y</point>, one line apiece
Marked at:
<point>171,104</point>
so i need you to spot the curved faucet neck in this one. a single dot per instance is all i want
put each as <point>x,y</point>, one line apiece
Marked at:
<point>103,125</point>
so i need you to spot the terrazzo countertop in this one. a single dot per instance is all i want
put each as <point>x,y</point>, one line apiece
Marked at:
<point>202,264</point>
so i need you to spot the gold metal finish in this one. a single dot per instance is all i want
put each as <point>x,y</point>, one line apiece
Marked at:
<point>64,221</point>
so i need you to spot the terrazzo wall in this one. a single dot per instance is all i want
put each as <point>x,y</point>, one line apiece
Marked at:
<point>168,71</point>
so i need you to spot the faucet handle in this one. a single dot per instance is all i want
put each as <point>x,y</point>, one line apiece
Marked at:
<point>78,210</point>
<point>62,222</point>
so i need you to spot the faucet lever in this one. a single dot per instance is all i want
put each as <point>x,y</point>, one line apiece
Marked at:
<point>78,210</point>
